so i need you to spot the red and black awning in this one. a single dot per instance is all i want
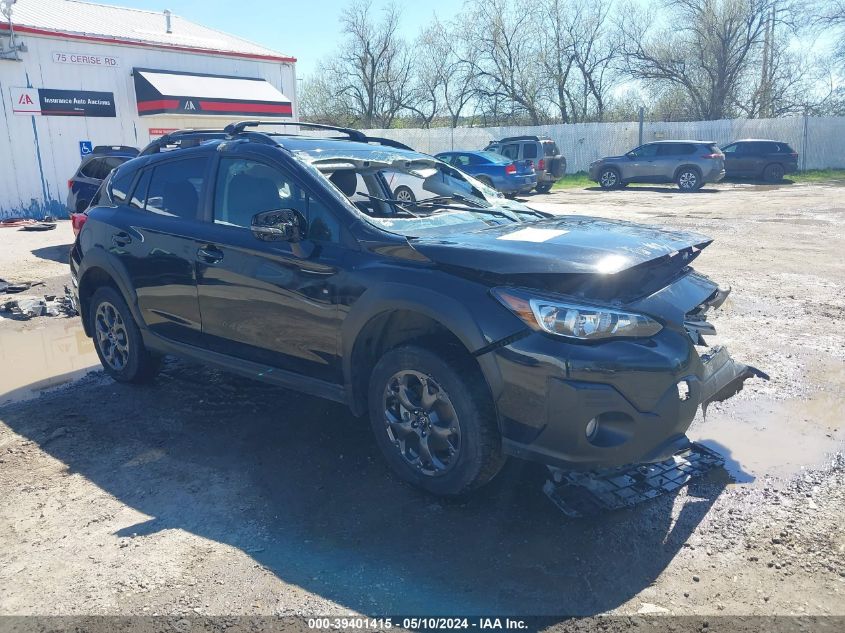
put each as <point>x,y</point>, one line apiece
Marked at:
<point>169,92</point>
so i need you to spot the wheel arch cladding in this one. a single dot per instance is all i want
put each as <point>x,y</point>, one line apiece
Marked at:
<point>101,269</point>
<point>681,168</point>
<point>393,315</point>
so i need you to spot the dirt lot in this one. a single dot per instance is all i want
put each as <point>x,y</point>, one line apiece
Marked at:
<point>205,493</point>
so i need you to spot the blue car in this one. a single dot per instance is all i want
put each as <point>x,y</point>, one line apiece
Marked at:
<point>93,169</point>
<point>494,170</point>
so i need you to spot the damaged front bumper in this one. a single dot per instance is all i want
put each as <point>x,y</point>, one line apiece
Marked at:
<point>589,407</point>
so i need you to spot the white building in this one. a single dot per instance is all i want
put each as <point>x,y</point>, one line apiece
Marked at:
<point>74,75</point>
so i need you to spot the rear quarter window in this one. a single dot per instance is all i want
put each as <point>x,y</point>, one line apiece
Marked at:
<point>529,150</point>
<point>120,184</point>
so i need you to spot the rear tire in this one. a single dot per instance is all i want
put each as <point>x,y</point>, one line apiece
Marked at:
<point>117,339</point>
<point>609,179</point>
<point>688,179</point>
<point>773,173</point>
<point>434,421</point>
<point>544,188</point>
<point>486,181</point>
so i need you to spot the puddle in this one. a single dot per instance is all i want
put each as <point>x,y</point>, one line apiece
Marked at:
<point>771,438</point>
<point>32,360</point>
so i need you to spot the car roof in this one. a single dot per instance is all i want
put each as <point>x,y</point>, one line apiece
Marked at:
<point>336,146</point>
<point>756,140</point>
<point>679,141</point>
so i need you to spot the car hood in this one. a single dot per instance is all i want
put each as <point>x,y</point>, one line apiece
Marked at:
<point>561,245</point>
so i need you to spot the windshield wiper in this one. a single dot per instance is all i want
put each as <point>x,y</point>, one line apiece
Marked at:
<point>438,199</point>
<point>403,204</point>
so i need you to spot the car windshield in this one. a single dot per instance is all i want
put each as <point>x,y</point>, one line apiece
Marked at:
<point>409,193</point>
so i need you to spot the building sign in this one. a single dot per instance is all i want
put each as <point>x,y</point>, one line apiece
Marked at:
<point>157,132</point>
<point>86,59</point>
<point>25,101</point>
<point>51,102</point>
<point>172,92</point>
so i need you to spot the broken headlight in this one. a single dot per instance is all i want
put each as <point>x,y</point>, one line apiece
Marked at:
<point>574,320</point>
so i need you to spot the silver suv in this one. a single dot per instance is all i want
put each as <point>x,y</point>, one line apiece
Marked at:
<point>542,151</point>
<point>689,164</point>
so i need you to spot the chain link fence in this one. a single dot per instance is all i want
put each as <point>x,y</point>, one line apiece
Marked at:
<point>820,141</point>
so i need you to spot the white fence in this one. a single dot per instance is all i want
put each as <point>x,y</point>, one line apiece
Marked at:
<point>820,141</point>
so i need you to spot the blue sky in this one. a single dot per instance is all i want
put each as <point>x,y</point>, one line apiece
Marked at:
<point>306,30</point>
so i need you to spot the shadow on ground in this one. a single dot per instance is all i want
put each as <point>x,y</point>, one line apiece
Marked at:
<point>297,483</point>
<point>668,188</point>
<point>58,253</point>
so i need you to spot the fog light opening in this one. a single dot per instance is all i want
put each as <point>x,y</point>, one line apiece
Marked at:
<point>592,428</point>
<point>683,390</point>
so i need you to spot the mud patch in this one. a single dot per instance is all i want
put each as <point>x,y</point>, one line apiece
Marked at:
<point>767,441</point>
<point>33,360</point>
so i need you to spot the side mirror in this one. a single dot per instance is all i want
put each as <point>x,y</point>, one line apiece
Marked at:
<point>281,225</point>
<point>630,156</point>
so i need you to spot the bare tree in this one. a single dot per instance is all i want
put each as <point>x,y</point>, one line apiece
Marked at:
<point>706,52</point>
<point>507,49</point>
<point>578,54</point>
<point>371,73</point>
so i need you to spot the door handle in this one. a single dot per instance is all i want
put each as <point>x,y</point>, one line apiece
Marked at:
<point>121,239</point>
<point>210,254</point>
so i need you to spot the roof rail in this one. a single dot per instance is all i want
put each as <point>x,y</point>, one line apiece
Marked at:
<point>354,135</point>
<point>193,137</point>
<point>106,149</point>
<point>237,128</point>
<point>184,138</point>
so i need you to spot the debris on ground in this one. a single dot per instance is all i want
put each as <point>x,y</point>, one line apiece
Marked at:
<point>27,307</point>
<point>39,226</point>
<point>9,288</point>
<point>580,494</point>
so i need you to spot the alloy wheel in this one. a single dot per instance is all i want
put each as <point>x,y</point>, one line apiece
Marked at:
<point>404,195</point>
<point>421,422</point>
<point>608,179</point>
<point>112,337</point>
<point>687,180</point>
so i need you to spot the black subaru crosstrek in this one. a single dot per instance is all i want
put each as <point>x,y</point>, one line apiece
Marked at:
<point>467,326</point>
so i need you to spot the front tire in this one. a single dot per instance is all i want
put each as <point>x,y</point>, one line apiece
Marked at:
<point>434,421</point>
<point>609,179</point>
<point>117,339</point>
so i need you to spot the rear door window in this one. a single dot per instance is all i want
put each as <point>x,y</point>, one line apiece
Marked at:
<point>511,151</point>
<point>92,169</point>
<point>675,149</point>
<point>176,187</point>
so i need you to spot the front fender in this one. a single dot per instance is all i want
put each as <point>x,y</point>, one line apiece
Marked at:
<point>452,314</point>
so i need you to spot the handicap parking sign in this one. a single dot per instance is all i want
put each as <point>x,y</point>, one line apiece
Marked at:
<point>85,148</point>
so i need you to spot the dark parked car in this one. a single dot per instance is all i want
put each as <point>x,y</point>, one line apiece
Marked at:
<point>689,164</point>
<point>753,158</point>
<point>468,326</point>
<point>548,162</point>
<point>93,169</point>
<point>494,170</point>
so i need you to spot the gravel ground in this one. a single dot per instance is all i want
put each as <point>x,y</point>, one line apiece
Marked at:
<point>209,494</point>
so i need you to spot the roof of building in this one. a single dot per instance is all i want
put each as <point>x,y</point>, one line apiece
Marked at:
<point>120,25</point>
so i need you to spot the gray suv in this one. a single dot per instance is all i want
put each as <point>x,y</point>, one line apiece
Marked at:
<point>689,164</point>
<point>542,151</point>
